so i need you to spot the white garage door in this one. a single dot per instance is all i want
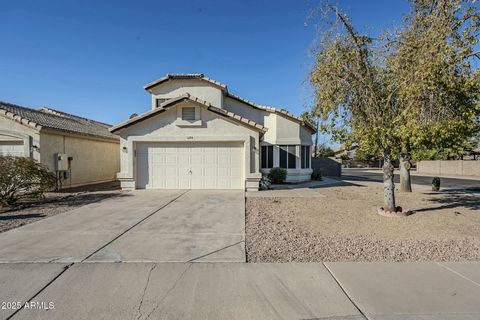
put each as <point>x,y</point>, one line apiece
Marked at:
<point>190,165</point>
<point>12,148</point>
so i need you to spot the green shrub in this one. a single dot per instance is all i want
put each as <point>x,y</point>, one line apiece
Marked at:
<point>317,174</point>
<point>265,183</point>
<point>277,175</point>
<point>23,177</point>
<point>436,184</point>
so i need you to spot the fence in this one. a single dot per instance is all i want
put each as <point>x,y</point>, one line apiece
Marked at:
<point>328,166</point>
<point>450,167</point>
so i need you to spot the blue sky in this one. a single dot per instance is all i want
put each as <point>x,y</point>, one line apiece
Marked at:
<point>92,58</point>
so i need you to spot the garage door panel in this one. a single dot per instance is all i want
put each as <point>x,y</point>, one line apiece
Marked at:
<point>183,183</point>
<point>210,172</point>
<point>171,159</point>
<point>191,166</point>
<point>210,159</point>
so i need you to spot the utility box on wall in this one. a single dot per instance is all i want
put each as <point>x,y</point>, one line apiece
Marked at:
<point>61,162</point>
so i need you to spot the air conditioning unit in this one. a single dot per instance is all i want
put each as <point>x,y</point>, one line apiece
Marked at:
<point>61,162</point>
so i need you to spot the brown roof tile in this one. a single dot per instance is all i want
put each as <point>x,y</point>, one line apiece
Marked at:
<point>56,120</point>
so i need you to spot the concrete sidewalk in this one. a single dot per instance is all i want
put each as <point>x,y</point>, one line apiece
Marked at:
<point>333,291</point>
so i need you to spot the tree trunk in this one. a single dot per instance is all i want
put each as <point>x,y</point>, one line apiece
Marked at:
<point>405,165</point>
<point>316,141</point>
<point>388,185</point>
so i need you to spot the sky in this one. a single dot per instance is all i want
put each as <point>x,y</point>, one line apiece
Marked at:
<point>92,58</point>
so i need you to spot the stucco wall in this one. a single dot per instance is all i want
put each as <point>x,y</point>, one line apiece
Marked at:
<point>450,167</point>
<point>93,161</point>
<point>244,110</point>
<point>31,135</point>
<point>163,127</point>
<point>281,130</point>
<point>291,132</point>
<point>199,89</point>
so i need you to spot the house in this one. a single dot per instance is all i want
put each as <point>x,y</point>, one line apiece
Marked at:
<point>345,152</point>
<point>79,150</point>
<point>198,135</point>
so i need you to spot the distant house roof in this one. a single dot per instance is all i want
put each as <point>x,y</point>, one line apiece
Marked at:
<point>56,120</point>
<point>184,76</point>
<point>187,97</point>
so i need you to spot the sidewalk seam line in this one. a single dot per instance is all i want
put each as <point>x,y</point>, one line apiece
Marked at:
<point>345,292</point>
<point>458,274</point>
<point>73,263</point>
<point>41,289</point>
<point>133,226</point>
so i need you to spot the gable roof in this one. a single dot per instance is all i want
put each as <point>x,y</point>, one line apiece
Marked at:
<point>56,120</point>
<point>187,97</point>
<point>201,76</point>
<point>184,76</point>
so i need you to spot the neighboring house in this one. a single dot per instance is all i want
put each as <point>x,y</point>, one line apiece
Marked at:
<point>343,151</point>
<point>81,151</point>
<point>198,135</point>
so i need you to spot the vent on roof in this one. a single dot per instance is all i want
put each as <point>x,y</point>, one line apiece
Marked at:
<point>188,113</point>
<point>133,115</point>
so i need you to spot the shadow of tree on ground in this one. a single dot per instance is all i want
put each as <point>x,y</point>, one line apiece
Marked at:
<point>22,216</point>
<point>74,200</point>
<point>461,198</point>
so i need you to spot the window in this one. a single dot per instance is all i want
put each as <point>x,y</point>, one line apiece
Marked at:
<point>267,157</point>
<point>305,157</point>
<point>160,101</point>
<point>288,157</point>
<point>188,113</point>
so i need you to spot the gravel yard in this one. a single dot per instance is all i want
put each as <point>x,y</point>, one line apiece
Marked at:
<point>54,203</point>
<point>343,225</point>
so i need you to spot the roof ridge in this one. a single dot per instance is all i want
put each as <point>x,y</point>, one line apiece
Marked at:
<point>184,76</point>
<point>52,121</point>
<point>69,115</point>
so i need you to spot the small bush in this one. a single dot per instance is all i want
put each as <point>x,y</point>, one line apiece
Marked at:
<point>23,177</point>
<point>436,184</point>
<point>265,183</point>
<point>277,175</point>
<point>317,175</point>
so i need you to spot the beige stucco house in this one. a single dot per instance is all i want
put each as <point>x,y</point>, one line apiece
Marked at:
<point>198,135</point>
<point>79,150</point>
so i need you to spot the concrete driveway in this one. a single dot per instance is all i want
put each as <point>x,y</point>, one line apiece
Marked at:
<point>65,267</point>
<point>153,226</point>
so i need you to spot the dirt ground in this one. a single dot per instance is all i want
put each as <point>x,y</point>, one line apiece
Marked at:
<point>343,225</point>
<point>54,203</point>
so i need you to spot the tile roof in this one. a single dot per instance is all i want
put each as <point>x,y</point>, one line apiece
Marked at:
<point>183,76</point>
<point>309,125</point>
<point>184,97</point>
<point>201,76</point>
<point>56,120</point>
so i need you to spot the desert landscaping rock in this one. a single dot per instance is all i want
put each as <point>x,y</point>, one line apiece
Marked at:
<point>344,226</point>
